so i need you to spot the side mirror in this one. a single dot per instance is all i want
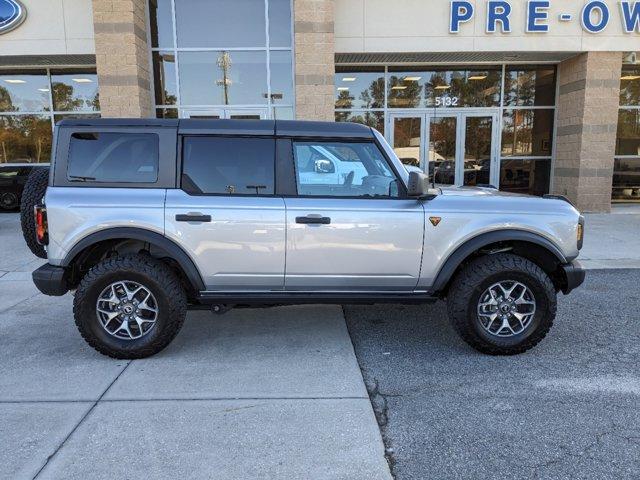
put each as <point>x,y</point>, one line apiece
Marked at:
<point>418,185</point>
<point>324,166</point>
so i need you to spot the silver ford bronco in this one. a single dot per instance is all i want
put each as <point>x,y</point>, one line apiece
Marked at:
<point>145,219</point>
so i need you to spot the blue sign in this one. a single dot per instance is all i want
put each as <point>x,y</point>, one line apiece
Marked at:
<point>594,16</point>
<point>12,14</point>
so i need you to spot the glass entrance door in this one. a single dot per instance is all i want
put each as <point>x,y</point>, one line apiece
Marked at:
<point>229,113</point>
<point>453,147</point>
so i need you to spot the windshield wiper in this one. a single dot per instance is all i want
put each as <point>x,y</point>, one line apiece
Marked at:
<point>80,178</point>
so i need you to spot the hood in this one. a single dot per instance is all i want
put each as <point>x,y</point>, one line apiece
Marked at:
<point>492,200</point>
<point>481,192</point>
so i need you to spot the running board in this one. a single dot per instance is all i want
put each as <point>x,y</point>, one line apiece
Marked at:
<point>299,298</point>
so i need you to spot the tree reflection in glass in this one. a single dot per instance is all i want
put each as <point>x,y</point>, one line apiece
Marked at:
<point>75,92</point>
<point>359,88</point>
<point>25,138</point>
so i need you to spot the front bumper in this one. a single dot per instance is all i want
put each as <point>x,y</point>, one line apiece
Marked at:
<point>574,276</point>
<point>51,280</point>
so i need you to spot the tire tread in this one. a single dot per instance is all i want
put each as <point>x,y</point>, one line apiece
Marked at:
<point>34,190</point>
<point>474,274</point>
<point>145,265</point>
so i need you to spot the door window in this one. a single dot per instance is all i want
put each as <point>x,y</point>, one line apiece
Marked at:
<point>477,151</point>
<point>228,166</point>
<point>341,169</point>
<point>407,140</point>
<point>443,150</point>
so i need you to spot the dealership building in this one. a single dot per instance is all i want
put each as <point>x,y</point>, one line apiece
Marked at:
<point>532,97</point>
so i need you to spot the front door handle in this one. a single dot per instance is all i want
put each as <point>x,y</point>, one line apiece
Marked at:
<point>193,217</point>
<point>313,220</point>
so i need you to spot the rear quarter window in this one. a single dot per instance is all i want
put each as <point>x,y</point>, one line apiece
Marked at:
<point>113,157</point>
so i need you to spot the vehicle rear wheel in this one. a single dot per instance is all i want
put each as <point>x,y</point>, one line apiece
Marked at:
<point>33,193</point>
<point>502,304</point>
<point>8,201</point>
<point>130,307</point>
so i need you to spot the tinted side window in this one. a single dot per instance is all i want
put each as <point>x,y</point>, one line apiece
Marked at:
<point>336,169</point>
<point>229,166</point>
<point>113,157</point>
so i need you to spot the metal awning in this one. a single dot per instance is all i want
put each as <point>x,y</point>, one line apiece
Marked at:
<point>24,61</point>
<point>448,58</point>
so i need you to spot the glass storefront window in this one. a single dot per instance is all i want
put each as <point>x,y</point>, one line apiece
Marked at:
<point>283,113</point>
<point>220,24</point>
<point>25,138</point>
<point>63,116</point>
<point>530,86</point>
<point>359,88</point>
<point>371,119</point>
<point>527,133</point>
<point>530,176</point>
<point>630,86</point>
<point>164,66</point>
<point>405,94</point>
<point>280,23</point>
<point>220,57</point>
<point>628,142</point>
<point>477,150</point>
<point>443,88</point>
<point>626,180</point>
<point>281,70</point>
<point>626,170</point>
<point>166,113</point>
<point>24,92</point>
<point>75,92</point>
<point>223,78</point>
<point>32,101</point>
<point>407,139</point>
<point>161,23</point>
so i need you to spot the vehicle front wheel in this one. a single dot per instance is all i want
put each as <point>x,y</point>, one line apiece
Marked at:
<point>502,304</point>
<point>130,307</point>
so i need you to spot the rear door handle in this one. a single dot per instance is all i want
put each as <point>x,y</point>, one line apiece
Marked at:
<point>193,217</point>
<point>313,220</point>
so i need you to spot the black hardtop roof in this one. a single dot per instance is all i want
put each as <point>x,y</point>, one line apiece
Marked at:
<point>285,128</point>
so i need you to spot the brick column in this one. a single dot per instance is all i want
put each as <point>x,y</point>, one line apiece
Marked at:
<point>314,59</point>
<point>587,127</point>
<point>122,58</point>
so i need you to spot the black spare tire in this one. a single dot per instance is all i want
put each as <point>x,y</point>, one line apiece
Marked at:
<point>32,195</point>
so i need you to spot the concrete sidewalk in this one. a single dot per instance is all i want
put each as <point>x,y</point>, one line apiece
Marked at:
<point>261,393</point>
<point>612,240</point>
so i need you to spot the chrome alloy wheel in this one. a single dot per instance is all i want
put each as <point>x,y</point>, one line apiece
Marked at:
<point>506,308</point>
<point>127,310</point>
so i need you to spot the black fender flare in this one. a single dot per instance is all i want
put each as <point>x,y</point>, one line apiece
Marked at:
<point>128,233</point>
<point>474,244</point>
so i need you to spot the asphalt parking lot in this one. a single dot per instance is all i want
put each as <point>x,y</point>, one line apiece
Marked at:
<point>569,408</point>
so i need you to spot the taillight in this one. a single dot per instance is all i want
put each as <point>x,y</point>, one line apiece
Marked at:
<point>42,229</point>
<point>580,232</point>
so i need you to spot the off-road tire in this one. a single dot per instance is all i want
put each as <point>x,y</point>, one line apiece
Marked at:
<point>470,283</point>
<point>34,190</point>
<point>154,275</point>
